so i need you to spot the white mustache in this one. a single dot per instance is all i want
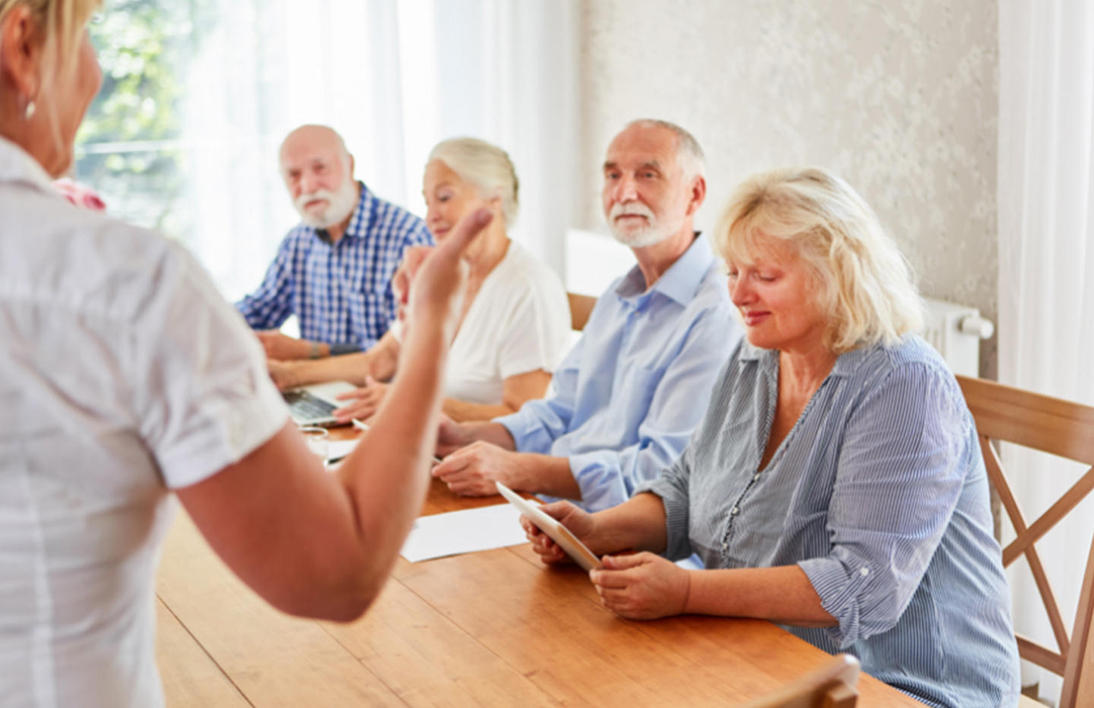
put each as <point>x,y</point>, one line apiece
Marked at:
<point>632,209</point>
<point>303,199</point>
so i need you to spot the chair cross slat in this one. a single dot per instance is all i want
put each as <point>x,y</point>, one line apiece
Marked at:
<point>1048,599</point>
<point>1064,429</point>
<point>1080,660</point>
<point>995,473</point>
<point>1051,517</point>
<point>1040,655</point>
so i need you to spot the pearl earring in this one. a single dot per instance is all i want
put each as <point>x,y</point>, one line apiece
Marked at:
<point>28,112</point>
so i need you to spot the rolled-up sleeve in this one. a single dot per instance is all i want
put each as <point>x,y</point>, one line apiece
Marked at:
<point>899,478</point>
<point>540,422</point>
<point>673,488</point>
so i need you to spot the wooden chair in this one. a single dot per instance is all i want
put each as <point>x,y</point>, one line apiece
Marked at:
<point>580,307</point>
<point>1064,429</point>
<point>830,686</point>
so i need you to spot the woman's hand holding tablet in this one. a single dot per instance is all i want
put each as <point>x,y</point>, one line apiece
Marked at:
<point>554,530</point>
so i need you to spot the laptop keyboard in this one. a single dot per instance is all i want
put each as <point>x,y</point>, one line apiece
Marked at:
<point>305,406</point>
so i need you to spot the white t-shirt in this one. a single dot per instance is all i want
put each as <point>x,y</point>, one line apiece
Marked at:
<point>123,374</point>
<point>519,322</point>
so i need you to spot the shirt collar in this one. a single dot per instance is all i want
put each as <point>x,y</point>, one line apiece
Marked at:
<point>680,282</point>
<point>845,366</point>
<point>359,221</point>
<point>16,165</point>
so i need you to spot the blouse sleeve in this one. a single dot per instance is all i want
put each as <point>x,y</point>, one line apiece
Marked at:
<point>901,469</point>
<point>673,488</point>
<point>200,388</point>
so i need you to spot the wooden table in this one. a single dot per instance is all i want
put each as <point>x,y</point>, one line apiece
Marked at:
<point>490,628</point>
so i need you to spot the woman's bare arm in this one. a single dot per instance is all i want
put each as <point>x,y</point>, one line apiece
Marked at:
<point>316,545</point>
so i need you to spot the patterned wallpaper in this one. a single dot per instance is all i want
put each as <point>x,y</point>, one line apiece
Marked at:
<point>898,98</point>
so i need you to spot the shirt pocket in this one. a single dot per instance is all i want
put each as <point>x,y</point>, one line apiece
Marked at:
<point>633,391</point>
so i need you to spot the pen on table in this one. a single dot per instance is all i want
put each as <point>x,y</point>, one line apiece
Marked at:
<point>361,425</point>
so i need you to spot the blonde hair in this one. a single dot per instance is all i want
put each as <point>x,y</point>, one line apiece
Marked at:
<point>487,167</point>
<point>865,284</point>
<point>61,23</point>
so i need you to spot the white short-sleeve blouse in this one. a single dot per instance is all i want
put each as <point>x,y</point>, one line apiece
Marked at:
<point>123,374</point>
<point>518,323</point>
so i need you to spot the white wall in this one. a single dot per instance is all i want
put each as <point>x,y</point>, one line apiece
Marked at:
<point>899,98</point>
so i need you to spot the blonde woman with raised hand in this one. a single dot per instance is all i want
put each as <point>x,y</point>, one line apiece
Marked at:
<point>126,378</point>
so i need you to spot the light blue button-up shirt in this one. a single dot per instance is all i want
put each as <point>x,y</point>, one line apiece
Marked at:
<point>879,495</point>
<point>628,395</point>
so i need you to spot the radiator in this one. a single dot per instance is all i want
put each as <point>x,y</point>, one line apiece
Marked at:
<point>955,331</point>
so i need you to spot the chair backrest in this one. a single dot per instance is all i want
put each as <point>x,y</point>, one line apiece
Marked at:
<point>580,307</point>
<point>833,685</point>
<point>1065,429</point>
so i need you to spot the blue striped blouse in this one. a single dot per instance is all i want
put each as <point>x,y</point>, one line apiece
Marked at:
<point>879,494</point>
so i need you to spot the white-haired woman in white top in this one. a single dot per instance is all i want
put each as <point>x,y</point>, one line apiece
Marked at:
<point>126,377</point>
<point>515,320</point>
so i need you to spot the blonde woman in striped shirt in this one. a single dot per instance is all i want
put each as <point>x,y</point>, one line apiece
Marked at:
<point>835,484</point>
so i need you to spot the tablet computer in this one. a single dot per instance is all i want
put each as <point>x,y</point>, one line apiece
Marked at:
<point>556,531</point>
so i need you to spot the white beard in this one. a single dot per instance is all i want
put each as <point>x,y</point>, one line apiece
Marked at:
<point>340,205</point>
<point>653,232</point>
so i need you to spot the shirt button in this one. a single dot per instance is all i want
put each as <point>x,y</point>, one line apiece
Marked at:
<point>864,572</point>
<point>734,511</point>
<point>725,546</point>
<point>755,476</point>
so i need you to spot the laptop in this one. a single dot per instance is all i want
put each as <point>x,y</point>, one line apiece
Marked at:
<point>313,405</point>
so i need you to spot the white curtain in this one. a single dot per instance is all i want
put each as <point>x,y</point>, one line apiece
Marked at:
<point>1046,259</point>
<point>393,77</point>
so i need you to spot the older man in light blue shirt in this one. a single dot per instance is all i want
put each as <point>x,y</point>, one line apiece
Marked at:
<point>628,396</point>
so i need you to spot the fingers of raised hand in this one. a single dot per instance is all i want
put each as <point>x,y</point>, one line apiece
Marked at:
<point>412,260</point>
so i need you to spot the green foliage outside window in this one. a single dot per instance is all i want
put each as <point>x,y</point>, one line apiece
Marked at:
<point>128,147</point>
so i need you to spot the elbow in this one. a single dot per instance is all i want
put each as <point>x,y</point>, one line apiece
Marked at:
<point>343,601</point>
<point>880,618</point>
<point>349,610</point>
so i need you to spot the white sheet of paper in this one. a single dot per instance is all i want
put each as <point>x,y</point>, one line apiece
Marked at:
<point>337,449</point>
<point>464,531</point>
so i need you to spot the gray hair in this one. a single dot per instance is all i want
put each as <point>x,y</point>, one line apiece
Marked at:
<point>864,283</point>
<point>487,167</point>
<point>334,136</point>
<point>689,155</point>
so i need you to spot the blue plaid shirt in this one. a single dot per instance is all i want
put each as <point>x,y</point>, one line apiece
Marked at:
<point>340,292</point>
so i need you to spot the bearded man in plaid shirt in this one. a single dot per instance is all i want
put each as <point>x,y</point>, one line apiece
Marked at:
<point>334,270</point>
